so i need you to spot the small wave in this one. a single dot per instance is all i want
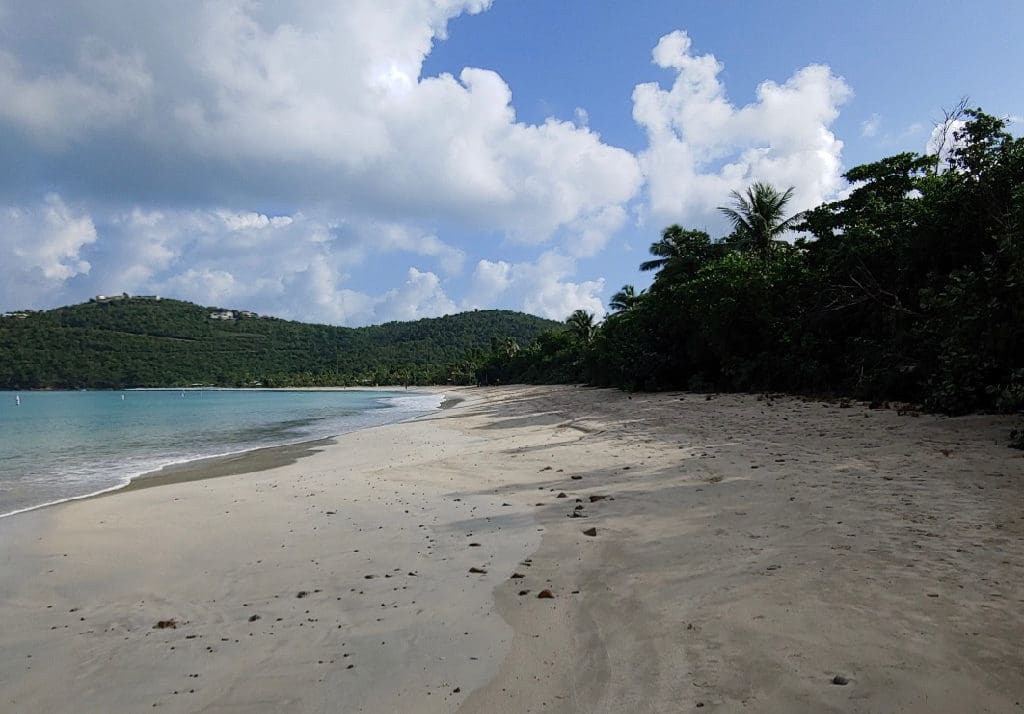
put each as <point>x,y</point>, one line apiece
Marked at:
<point>107,474</point>
<point>415,402</point>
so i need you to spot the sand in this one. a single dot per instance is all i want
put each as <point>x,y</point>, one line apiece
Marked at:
<point>746,553</point>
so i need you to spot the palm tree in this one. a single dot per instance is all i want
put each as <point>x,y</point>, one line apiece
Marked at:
<point>756,216</point>
<point>671,245</point>
<point>624,300</point>
<point>680,254</point>
<point>581,324</point>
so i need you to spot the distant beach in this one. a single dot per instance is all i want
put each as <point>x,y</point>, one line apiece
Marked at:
<point>554,549</point>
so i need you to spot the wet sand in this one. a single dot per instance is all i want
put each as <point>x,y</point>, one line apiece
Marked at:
<point>737,553</point>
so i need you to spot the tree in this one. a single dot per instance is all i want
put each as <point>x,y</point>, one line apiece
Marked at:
<point>680,254</point>
<point>756,217</point>
<point>624,299</point>
<point>581,325</point>
<point>511,347</point>
<point>676,244</point>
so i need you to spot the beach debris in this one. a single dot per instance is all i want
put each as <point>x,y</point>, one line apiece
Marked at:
<point>562,495</point>
<point>575,477</point>
<point>474,545</point>
<point>545,595</point>
<point>170,624</point>
<point>590,532</point>
<point>773,567</point>
<point>524,592</point>
<point>253,618</point>
<point>302,593</point>
<point>546,468</point>
<point>594,499</point>
<point>456,690</point>
<point>516,576</point>
<point>840,680</point>
<point>479,571</point>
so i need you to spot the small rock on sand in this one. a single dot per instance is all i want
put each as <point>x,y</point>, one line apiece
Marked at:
<point>575,477</point>
<point>590,532</point>
<point>477,570</point>
<point>253,618</point>
<point>545,595</point>
<point>561,495</point>
<point>171,624</point>
<point>840,680</point>
<point>597,498</point>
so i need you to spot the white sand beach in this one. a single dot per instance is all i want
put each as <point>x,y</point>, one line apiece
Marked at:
<point>762,554</point>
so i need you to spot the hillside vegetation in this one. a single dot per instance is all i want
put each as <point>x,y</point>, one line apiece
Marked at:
<point>145,342</point>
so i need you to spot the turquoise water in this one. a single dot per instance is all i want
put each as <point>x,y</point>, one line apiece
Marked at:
<point>56,446</point>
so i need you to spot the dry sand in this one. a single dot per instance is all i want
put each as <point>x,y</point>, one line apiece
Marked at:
<point>747,551</point>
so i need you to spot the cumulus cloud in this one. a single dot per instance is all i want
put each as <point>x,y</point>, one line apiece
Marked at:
<point>103,88</point>
<point>309,102</point>
<point>543,287</point>
<point>179,124</point>
<point>701,146</point>
<point>43,249</point>
<point>294,266</point>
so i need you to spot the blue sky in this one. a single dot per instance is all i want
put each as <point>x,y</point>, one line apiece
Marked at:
<point>365,161</point>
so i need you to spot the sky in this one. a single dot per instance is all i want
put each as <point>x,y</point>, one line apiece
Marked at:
<point>360,161</point>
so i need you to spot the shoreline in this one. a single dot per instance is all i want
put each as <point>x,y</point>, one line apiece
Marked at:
<point>248,460</point>
<point>745,553</point>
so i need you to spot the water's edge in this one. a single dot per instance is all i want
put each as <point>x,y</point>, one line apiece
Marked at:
<point>235,463</point>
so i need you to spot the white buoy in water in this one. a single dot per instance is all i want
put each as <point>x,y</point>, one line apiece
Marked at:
<point>17,400</point>
<point>122,397</point>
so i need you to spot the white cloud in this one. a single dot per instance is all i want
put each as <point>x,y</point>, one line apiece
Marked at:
<point>42,247</point>
<point>942,139</point>
<point>701,146</point>
<point>312,102</point>
<point>542,287</point>
<point>870,126</point>
<point>420,296</point>
<point>103,88</point>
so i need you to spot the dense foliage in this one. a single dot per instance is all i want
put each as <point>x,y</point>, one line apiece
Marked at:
<point>910,288</point>
<point>144,342</point>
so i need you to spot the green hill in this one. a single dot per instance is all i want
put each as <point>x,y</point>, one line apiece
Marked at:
<point>148,342</point>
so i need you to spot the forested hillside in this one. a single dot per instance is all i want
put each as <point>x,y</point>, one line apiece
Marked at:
<point>910,288</point>
<point>145,342</point>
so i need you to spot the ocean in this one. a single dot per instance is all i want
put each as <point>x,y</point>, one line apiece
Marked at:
<point>59,446</point>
